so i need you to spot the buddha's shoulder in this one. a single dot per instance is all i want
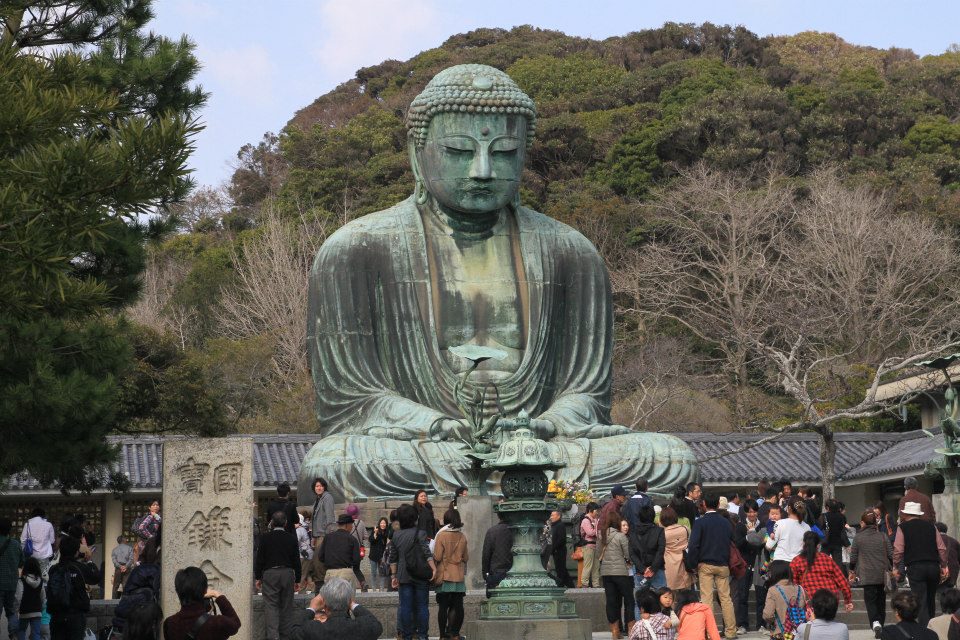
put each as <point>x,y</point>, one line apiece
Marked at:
<point>552,230</point>
<point>380,227</point>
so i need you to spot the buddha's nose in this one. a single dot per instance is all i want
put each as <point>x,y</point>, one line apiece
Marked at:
<point>480,169</point>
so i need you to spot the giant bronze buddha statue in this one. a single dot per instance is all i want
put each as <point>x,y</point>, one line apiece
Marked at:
<point>397,294</point>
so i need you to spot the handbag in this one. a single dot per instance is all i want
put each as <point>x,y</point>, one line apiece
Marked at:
<point>363,549</point>
<point>889,582</point>
<point>738,566</point>
<point>577,554</point>
<point>28,544</point>
<point>385,560</point>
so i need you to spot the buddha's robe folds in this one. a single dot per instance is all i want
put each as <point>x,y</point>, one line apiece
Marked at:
<point>380,379</point>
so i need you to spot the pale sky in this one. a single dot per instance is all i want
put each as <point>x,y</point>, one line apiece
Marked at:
<point>262,61</point>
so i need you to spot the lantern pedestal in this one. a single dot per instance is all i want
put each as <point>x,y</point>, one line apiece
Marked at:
<point>527,603</point>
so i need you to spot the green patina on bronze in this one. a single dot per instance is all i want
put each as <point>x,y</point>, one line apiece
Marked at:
<point>946,464</point>
<point>399,298</point>
<point>527,592</point>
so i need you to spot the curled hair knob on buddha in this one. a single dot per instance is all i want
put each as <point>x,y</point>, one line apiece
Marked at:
<point>469,88</point>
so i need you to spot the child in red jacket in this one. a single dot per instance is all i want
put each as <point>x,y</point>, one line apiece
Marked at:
<point>696,619</point>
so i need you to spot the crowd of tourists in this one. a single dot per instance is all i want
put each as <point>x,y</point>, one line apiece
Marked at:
<point>666,569</point>
<point>46,575</point>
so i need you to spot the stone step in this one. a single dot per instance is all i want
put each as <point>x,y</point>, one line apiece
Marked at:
<point>856,619</point>
<point>590,605</point>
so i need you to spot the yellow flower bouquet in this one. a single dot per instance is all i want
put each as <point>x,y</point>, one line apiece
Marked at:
<point>568,491</point>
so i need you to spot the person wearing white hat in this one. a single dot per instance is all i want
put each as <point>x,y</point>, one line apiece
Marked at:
<point>920,549</point>
<point>911,493</point>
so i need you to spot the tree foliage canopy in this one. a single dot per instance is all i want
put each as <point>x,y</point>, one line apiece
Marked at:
<point>97,117</point>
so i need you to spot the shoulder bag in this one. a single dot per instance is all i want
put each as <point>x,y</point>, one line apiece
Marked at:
<point>889,582</point>
<point>356,534</point>
<point>416,561</point>
<point>197,625</point>
<point>28,544</point>
<point>649,628</point>
<point>737,565</point>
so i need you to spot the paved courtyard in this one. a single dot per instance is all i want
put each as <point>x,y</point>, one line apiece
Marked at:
<point>859,634</point>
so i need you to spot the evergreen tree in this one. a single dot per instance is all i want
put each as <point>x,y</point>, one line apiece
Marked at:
<point>97,117</point>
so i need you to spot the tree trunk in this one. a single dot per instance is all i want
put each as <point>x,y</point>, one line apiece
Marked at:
<point>739,389</point>
<point>828,457</point>
<point>13,20</point>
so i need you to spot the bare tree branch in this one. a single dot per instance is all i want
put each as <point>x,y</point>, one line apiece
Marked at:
<point>271,294</point>
<point>826,291</point>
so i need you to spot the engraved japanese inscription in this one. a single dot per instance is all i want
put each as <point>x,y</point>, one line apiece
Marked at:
<point>209,530</point>
<point>208,516</point>
<point>191,475</point>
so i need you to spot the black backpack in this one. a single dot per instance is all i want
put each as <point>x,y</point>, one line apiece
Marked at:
<point>416,561</point>
<point>575,536</point>
<point>60,589</point>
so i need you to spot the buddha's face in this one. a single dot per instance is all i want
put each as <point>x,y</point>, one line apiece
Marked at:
<point>472,162</point>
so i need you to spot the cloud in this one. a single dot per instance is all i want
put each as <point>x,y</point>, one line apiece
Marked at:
<point>245,72</point>
<point>360,33</point>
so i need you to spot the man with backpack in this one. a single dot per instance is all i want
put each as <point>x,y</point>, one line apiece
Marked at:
<point>411,572</point>
<point>631,508</point>
<point>67,598</point>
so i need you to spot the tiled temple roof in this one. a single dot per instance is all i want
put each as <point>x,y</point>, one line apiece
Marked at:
<point>860,457</point>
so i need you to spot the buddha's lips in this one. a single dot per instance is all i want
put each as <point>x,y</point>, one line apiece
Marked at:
<point>479,191</point>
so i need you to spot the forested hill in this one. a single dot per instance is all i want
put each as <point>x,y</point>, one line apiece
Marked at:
<point>616,116</point>
<point>219,332</point>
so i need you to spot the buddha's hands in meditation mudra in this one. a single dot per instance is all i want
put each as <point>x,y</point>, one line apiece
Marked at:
<point>450,429</point>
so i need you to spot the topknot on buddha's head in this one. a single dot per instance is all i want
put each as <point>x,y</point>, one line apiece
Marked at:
<point>469,88</point>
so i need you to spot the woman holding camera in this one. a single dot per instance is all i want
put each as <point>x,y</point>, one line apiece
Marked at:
<point>197,617</point>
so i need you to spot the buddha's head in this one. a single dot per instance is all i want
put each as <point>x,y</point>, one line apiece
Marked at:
<point>468,135</point>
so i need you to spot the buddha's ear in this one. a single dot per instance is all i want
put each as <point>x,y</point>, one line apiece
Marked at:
<point>419,189</point>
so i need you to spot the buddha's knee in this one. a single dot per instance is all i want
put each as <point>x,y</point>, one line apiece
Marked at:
<point>653,443</point>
